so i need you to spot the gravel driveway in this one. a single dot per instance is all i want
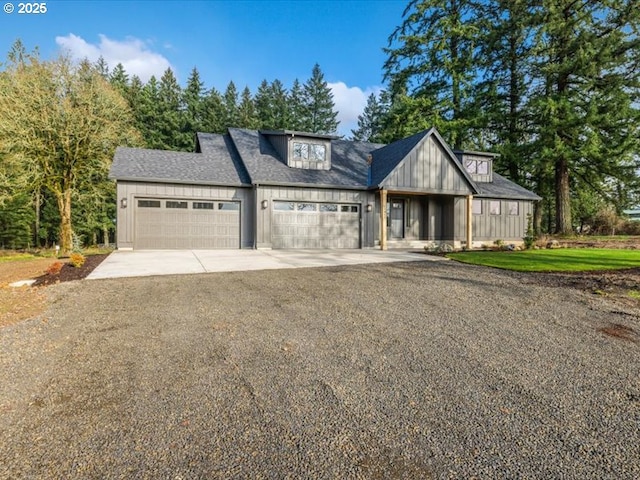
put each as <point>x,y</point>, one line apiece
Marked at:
<point>408,370</point>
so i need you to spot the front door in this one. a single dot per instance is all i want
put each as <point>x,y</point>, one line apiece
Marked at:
<point>396,218</point>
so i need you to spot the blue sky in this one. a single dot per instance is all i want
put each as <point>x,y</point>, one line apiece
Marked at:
<point>243,41</point>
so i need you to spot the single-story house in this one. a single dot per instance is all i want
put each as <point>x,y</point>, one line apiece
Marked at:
<point>287,189</point>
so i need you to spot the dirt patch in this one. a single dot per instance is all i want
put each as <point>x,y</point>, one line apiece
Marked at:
<point>620,331</point>
<point>622,286</point>
<point>17,304</point>
<point>613,242</point>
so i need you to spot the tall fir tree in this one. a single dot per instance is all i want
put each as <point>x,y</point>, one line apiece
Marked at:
<point>213,119</point>
<point>119,79</point>
<point>247,117</point>
<point>319,115</point>
<point>432,55</point>
<point>585,103</point>
<point>168,122</point>
<point>230,102</point>
<point>297,113</point>
<point>193,110</point>
<point>370,121</point>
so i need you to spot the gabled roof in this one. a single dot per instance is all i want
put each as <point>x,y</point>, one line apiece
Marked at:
<point>390,157</point>
<point>387,158</point>
<point>216,164</point>
<point>246,157</point>
<point>503,188</point>
<point>348,162</point>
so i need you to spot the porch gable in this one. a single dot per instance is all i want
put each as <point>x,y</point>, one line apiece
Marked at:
<point>422,164</point>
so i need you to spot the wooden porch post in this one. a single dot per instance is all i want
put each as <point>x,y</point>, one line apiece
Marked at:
<point>469,221</point>
<point>383,219</point>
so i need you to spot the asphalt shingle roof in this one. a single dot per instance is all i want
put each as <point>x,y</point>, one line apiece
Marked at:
<point>216,164</point>
<point>503,188</point>
<point>348,162</point>
<point>245,157</point>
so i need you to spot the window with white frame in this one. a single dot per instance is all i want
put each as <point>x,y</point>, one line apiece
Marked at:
<point>480,167</point>
<point>494,207</point>
<point>309,151</point>
<point>477,207</point>
<point>512,208</point>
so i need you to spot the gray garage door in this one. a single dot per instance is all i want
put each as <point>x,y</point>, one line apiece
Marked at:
<point>315,225</point>
<point>186,224</point>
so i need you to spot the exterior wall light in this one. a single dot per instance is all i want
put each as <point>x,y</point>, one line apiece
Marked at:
<point>123,203</point>
<point>369,207</point>
<point>264,204</point>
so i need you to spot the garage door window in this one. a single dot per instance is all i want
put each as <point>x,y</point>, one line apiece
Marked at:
<point>149,203</point>
<point>172,204</point>
<point>328,207</point>
<point>228,206</point>
<point>284,206</point>
<point>202,205</point>
<point>307,207</point>
<point>349,208</point>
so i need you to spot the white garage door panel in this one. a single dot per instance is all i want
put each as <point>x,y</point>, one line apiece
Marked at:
<point>203,224</point>
<point>315,225</point>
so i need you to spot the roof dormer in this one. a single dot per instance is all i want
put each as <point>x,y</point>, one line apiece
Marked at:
<point>477,164</point>
<point>308,151</point>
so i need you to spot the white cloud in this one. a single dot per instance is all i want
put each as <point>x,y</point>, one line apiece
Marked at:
<point>134,54</point>
<point>350,102</point>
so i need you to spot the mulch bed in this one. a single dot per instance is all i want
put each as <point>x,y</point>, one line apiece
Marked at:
<point>69,272</point>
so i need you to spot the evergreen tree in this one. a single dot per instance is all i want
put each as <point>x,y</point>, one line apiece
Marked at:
<point>168,122</point>
<point>148,113</point>
<point>193,114</point>
<point>119,79</point>
<point>319,115</point>
<point>272,107</point>
<point>586,101</point>
<point>370,121</point>
<point>247,117</point>
<point>297,113</point>
<point>279,105</point>
<point>213,120</point>
<point>431,55</point>
<point>102,67</point>
<point>230,102</point>
<point>500,101</point>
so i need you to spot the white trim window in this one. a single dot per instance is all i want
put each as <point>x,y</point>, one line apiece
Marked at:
<point>477,207</point>
<point>513,208</point>
<point>494,207</point>
<point>309,151</point>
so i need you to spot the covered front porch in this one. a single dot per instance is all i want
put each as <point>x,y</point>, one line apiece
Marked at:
<point>414,220</point>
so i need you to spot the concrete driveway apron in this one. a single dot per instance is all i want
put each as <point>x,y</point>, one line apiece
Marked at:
<point>141,263</point>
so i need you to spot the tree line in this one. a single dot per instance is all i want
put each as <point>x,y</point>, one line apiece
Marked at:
<point>168,116</point>
<point>550,85</point>
<point>553,86</point>
<point>61,122</point>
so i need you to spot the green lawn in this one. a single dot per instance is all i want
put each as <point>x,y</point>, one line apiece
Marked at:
<point>558,260</point>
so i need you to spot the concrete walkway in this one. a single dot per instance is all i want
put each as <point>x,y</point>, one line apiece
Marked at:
<point>172,262</point>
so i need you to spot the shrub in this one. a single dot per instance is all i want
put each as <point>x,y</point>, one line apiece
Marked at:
<point>77,259</point>
<point>529,238</point>
<point>54,268</point>
<point>499,244</point>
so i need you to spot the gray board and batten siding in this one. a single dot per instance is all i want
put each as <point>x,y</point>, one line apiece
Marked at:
<point>425,165</point>
<point>248,189</point>
<point>178,225</point>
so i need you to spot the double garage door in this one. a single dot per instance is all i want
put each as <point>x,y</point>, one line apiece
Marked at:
<point>315,225</point>
<point>162,223</point>
<point>186,224</point>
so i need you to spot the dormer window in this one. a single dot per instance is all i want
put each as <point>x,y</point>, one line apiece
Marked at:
<point>479,167</point>
<point>309,151</point>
